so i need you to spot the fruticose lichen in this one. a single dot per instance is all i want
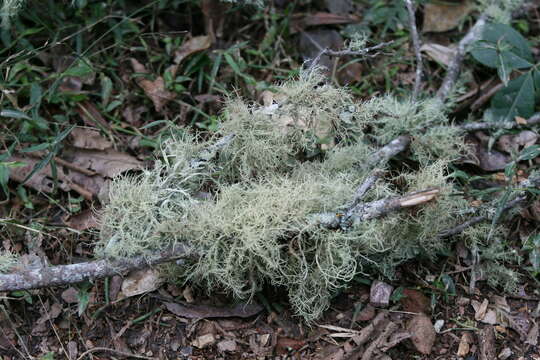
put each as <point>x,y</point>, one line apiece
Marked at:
<point>7,261</point>
<point>246,208</point>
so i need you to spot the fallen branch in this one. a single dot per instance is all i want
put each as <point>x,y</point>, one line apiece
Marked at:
<point>347,52</point>
<point>75,273</point>
<point>388,151</point>
<point>454,68</point>
<point>373,209</point>
<point>533,120</point>
<point>417,46</point>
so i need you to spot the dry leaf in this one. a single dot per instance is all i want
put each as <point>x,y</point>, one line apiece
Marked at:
<point>227,346</point>
<point>532,336</point>
<point>443,16</point>
<point>423,333</point>
<point>192,46</point>
<point>300,21</point>
<point>193,311</point>
<point>108,163</point>
<point>480,308</point>
<point>85,138</point>
<point>83,221</point>
<point>68,179</point>
<point>155,90</point>
<point>415,301</point>
<point>464,345</point>
<point>521,121</point>
<point>91,115</point>
<point>204,341</point>
<point>441,54</point>
<point>140,282</point>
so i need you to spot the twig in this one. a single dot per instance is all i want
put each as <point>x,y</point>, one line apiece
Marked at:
<point>365,186</point>
<point>478,219</point>
<point>374,209</point>
<point>75,273</point>
<point>416,44</point>
<point>454,68</point>
<point>338,53</point>
<point>533,120</point>
<point>388,151</point>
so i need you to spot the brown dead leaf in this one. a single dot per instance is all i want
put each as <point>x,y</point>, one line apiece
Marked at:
<point>415,301</point>
<point>487,160</point>
<point>521,121</point>
<point>85,138</point>
<point>227,346</point>
<point>423,333</point>
<point>108,163</point>
<point>155,90</point>
<point>133,115</point>
<point>192,46</point>
<point>91,115</point>
<point>83,221</point>
<point>441,54</point>
<point>68,179</point>
<point>204,341</point>
<point>366,314</point>
<point>480,308</point>
<point>513,143</point>
<point>443,16</point>
<point>465,344</point>
<point>70,295</point>
<point>140,282</point>
<point>532,336</point>
<point>193,311</point>
<point>284,344</point>
<point>301,21</point>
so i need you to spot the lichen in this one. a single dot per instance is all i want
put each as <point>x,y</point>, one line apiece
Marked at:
<point>247,209</point>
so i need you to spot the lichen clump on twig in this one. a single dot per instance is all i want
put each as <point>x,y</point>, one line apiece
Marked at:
<point>246,199</point>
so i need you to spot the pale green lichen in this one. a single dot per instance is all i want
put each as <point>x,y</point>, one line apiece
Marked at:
<point>247,210</point>
<point>7,261</point>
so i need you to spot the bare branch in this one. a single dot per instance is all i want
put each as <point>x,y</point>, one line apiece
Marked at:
<point>357,53</point>
<point>388,151</point>
<point>454,68</point>
<point>533,120</point>
<point>416,44</point>
<point>75,273</point>
<point>374,209</point>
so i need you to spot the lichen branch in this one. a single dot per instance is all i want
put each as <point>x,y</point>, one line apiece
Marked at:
<point>75,273</point>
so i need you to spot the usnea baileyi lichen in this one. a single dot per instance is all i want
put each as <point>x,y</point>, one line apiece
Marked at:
<point>246,208</point>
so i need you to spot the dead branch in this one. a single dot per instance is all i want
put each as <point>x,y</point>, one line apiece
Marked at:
<point>533,120</point>
<point>417,46</point>
<point>374,209</point>
<point>347,52</point>
<point>388,151</point>
<point>454,68</point>
<point>75,273</point>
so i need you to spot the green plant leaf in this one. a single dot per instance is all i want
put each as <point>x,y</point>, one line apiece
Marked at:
<point>534,257</point>
<point>500,41</point>
<point>516,99</point>
<point>529,153</point>
<point>83,296</point>
<point>15,114</point>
